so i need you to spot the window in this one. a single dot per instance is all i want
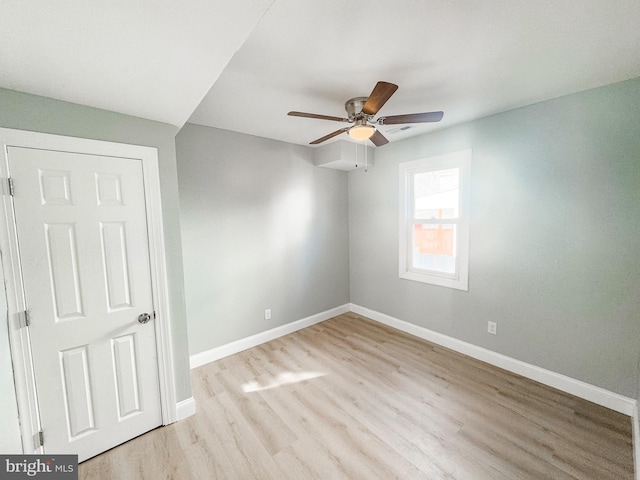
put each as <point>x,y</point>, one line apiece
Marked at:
<point>434,220</point>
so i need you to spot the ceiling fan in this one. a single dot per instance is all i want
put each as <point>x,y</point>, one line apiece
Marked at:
<point>361,110</point>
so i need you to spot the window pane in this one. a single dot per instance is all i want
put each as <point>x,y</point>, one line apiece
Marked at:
<point>434,247</point>
<point>436,194</point>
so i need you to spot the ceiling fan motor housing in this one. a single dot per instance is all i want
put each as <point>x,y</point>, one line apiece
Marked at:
<point>354,108</point>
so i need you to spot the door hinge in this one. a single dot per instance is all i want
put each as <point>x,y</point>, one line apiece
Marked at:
<point>23,319</point>
<point>11,188</point>
<point>38,440</point>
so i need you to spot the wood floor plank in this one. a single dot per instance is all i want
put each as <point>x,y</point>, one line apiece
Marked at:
<point>353,399</point>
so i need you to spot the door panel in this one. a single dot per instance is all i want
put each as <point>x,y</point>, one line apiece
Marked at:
<point>62,259</point>
<point>78,400</point>
<point>114,253</point>
<point>82,236</point>
<point>125,361</point>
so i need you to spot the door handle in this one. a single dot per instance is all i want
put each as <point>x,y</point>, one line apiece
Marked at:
<point>144,318</point>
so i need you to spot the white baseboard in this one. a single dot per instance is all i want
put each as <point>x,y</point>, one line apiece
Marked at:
<point>636,441</point>
<point>185,408</point>
<point>594,394</point>
<point>222,351</point>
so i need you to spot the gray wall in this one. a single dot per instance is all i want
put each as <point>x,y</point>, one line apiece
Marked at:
<point>262,228</point>
<point>29,112</point>
<point>555,229</point>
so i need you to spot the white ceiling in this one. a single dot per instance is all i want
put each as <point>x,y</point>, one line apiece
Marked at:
<point>259,59</point>
<point>154,59</point>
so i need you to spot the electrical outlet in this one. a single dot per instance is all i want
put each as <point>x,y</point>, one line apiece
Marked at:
<point>492,328</point>
<point>267,314</point>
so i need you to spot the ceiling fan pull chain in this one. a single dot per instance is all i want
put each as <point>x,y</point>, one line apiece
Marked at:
<point>366,164</point>
<point>356,154</point>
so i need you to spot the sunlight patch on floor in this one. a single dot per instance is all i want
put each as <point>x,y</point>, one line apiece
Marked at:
<point>285,378</point>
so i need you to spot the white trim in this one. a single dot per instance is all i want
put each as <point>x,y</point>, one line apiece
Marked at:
<point>157,254</point>
<point>202,358</point>
<point>407,170</point>
<point>185,408</point>
<point>636,441</point>
<point>584,390</point>
<point>18,337</point>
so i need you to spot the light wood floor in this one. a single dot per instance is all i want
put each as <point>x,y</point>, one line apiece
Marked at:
<point>352,399</point>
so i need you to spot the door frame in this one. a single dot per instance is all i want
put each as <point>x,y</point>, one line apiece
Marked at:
<point>23,373</point>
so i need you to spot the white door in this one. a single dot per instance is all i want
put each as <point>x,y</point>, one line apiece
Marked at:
<point>84,252</point>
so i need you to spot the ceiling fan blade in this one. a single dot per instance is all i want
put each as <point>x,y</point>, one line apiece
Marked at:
<point>331,135</point>
<point>411,118</point>
<point>378,139</point>
<point>320,117</point>
<point>379,96</point>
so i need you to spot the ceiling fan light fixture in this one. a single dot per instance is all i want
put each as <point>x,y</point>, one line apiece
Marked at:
<point>361,132</point>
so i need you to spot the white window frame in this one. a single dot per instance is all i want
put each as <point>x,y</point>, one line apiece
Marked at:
<point>460,279</point>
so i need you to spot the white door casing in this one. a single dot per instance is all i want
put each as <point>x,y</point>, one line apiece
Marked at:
<point>94,366</point>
